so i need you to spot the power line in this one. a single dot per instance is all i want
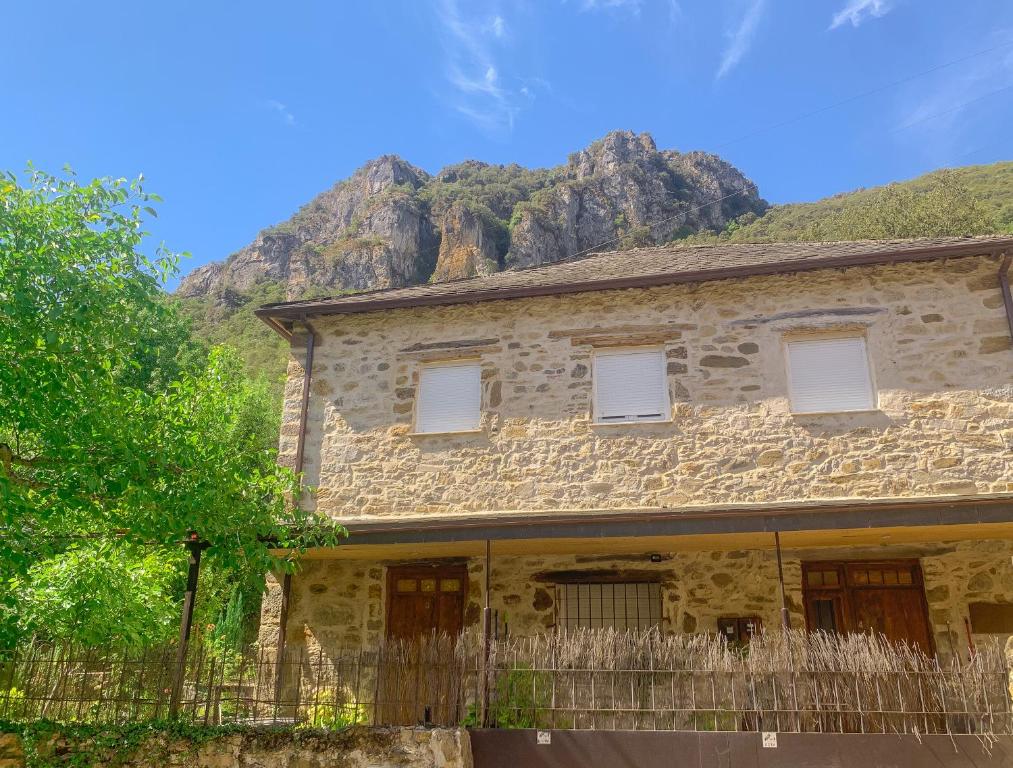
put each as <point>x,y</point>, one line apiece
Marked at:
<point>956,108</point>
<point>812,113</point>
<point>879,89</point>
<point>951,109</point>
<point>864,94</point>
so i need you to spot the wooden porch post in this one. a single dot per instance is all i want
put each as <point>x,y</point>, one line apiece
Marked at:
<point>785,616</point>
<point>486,636</point>
<point>194,548</point>
<point>286,591</point>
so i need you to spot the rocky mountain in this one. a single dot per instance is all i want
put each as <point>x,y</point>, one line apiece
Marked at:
<point>391,224</point>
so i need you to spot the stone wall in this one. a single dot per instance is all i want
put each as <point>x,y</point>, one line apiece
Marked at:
<point>964,573</point>
<point>258,748</point>
<point>339,603</point>
<point>937,339</point>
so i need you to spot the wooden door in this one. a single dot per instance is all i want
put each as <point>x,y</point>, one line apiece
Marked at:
<point>422,600</point>
<point>416,686</point>
<point>899,614</point>
<point>868,596</point>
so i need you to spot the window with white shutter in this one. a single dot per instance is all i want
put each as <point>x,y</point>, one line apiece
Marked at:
<point>630,385</point>
<point>829,375</point>
<point>449,397</point>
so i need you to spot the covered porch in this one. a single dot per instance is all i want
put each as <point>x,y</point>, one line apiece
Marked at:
<point>935,573</point>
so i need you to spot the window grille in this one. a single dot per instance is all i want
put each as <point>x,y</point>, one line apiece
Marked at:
<point>607,605</point>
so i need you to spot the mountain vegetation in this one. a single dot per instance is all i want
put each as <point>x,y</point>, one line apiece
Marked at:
<point>973,200</point>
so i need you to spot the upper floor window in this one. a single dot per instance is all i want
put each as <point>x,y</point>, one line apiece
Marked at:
<point>829,375</point>
<point>449,397</point>
<point>630,385</point>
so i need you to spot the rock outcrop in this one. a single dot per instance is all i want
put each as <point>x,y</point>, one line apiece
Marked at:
<point>622,191</point>
<point>467,248</point>
<point>391,224</point>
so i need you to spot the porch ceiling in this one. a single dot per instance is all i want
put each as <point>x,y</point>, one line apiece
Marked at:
<point>822,523</point>
<point>888,540</point>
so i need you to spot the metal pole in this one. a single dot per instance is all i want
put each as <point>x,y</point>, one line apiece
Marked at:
<point>194,548</point>
<point>304,402</point>
<point>1007,297</point>
<point>785,617</point>
<point>486,636</point>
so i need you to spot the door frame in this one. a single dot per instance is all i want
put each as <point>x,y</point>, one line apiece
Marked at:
<point>439,570</point>
<point>843,591</point>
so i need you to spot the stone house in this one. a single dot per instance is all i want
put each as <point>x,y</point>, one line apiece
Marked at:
<point>704,439</point>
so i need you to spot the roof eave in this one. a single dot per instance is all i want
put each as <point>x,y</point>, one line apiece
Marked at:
<point>933,253</point>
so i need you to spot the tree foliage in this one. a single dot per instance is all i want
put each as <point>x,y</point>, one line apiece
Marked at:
<point>115,424</point>
<point>948,202</point>
<point>97,593</point>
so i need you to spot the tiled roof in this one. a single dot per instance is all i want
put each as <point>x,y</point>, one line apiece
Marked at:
<point>642,267</point>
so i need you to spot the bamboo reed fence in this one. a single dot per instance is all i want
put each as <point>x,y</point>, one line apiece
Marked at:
<point>587,679</point>
<point>786,681</point>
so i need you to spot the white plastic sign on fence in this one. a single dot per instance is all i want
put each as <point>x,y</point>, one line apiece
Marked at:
<point>544,737</point>
<point>769,740</point>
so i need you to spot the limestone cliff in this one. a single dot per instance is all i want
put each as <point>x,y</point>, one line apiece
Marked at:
<point>392,224</point>
<point>621,191</point>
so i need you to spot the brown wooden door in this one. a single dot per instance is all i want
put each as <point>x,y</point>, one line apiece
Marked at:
<point>425,599</point>
<point>899,614</point>
<point>864,596</point>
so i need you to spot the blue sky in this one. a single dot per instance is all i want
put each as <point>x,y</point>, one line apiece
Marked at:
<point>237,113</point>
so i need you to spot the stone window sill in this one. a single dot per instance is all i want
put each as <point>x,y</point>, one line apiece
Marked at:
<point>445,434</point>
<point>857,412</point>
<point>612,424</point>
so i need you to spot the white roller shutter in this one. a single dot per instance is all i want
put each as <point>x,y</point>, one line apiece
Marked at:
<point>630,386</point>
<point>829,375</point>
<point>450,398</point>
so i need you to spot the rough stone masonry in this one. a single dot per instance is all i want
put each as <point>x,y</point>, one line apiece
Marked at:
<point>941,362</point>
<point>940,355</point>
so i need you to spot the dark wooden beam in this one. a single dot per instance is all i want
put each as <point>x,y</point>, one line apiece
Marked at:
<point>194,547</point>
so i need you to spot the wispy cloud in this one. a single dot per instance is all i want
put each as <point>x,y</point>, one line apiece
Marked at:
<point>857,11</point>
<point>740,37</point>
<point>473,46</point>
<point>281,110</point>
<point>632,6</point>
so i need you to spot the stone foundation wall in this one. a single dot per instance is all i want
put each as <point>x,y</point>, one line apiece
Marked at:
<point>938,343</point>
<point>340,604</point>
<point>253,748</point>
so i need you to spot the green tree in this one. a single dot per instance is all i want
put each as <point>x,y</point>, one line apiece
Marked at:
<point>96,593</point>
<point>947,207</point>
<point>943,203</point>
<point>114,423</point>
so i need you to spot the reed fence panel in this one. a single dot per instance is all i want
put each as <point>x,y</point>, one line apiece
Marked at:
<point>601,679</point>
